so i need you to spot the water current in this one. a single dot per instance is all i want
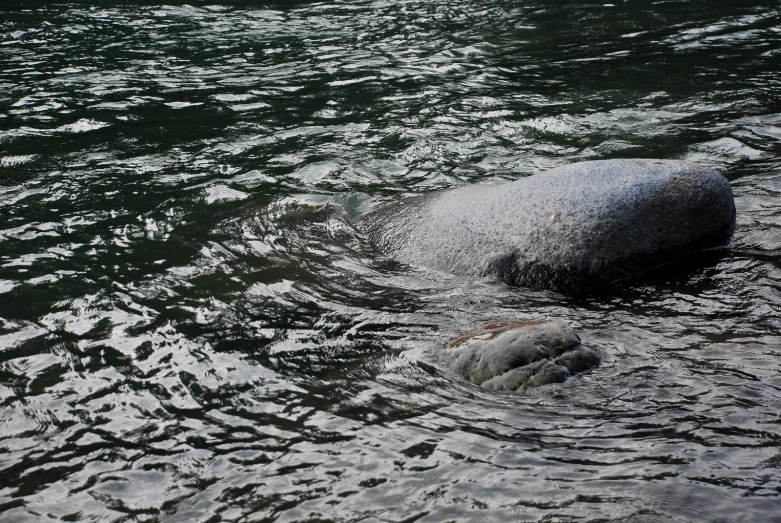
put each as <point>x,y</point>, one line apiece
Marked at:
<point>191,328</point>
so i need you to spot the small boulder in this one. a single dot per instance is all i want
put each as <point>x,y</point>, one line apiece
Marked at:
<point>513,356</point>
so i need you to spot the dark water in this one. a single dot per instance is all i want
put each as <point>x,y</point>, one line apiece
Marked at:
<point>188,332</point>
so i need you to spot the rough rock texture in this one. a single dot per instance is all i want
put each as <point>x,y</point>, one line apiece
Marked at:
<point>518,355</point>
<point>571,229</point>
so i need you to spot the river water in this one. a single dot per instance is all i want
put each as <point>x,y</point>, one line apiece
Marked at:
<point>192,330</point>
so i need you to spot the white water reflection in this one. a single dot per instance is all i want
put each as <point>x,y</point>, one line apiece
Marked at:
<point>191,329</point>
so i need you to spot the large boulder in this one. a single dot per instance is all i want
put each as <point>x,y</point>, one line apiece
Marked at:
<point>571,229</point>
<point>512,356</point>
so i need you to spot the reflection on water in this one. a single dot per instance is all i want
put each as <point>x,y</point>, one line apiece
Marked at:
<point>192,330</point>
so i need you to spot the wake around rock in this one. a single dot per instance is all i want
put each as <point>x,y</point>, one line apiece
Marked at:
<point>571,230</point>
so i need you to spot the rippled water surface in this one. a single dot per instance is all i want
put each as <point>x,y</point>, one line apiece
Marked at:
<point>192,330</point>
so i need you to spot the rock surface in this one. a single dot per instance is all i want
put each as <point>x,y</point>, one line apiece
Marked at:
<point>517,355</point>
<point>571,229</point>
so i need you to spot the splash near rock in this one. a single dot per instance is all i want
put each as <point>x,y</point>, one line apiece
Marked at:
<point>513,356</point>
<point>572,229</point>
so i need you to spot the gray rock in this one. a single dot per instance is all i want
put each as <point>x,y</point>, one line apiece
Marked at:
<point>517,355</point>
<point>571,229</point>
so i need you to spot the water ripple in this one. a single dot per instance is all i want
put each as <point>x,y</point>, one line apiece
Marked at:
<point>191,328</point>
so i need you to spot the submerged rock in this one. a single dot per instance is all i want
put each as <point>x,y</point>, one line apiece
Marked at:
<point>517,355</point>
<point>571,229</point>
